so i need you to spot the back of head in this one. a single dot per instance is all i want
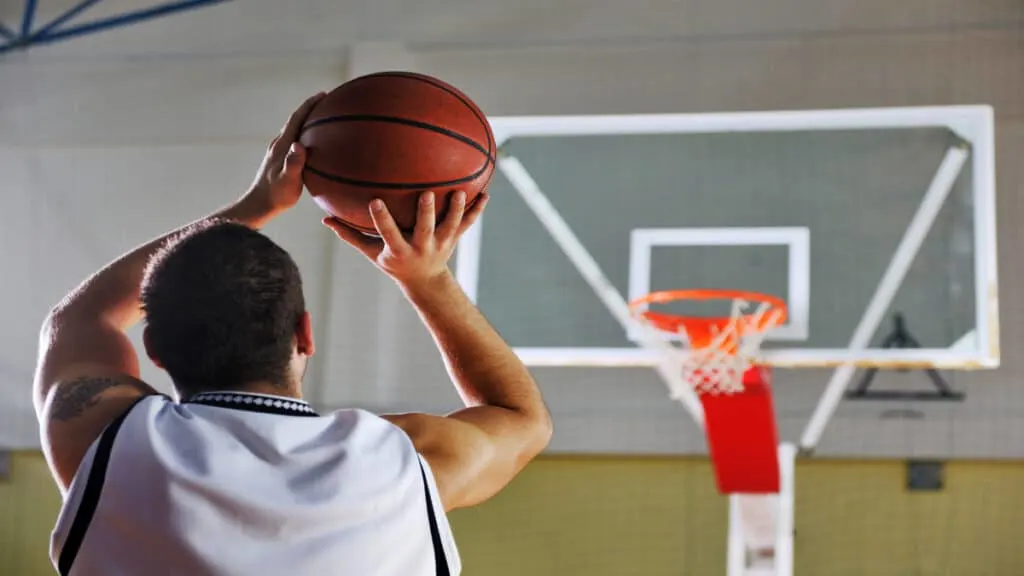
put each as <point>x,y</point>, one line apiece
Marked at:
<point>222,303</point>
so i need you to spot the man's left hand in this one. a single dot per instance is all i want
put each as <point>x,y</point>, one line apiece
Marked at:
<point>278,183</point>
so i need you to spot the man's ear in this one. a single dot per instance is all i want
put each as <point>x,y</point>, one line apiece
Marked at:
<point>304,343</point>
<point>149,348</point>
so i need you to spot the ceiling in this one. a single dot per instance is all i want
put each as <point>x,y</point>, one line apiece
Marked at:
<point>275,26</point>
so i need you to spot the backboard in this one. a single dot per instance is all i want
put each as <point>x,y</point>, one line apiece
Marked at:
<point>851,216</point>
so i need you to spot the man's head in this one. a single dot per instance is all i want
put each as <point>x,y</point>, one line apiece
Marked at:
<point>225,311</point>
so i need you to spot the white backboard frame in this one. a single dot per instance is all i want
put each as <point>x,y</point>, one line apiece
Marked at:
<point>797,241</point>
<point>974,125</point>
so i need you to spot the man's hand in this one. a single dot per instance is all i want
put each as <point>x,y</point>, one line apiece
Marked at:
<point>278,183</point>
<point>424,256</point>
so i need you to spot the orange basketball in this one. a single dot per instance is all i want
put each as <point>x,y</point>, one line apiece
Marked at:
<point>393,135</point>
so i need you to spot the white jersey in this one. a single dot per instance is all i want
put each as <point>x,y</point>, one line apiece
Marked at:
<point>238,484</point>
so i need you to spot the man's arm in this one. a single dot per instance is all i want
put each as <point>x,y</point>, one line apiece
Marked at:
<point>476,451</point>
<point>87,371</point>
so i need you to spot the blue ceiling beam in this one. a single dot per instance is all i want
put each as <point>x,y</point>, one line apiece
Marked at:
<point>28,18</point>
<point>58,29</point>
<point>64,18</point>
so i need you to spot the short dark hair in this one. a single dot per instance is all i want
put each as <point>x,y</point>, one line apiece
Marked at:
<point>222,302</point>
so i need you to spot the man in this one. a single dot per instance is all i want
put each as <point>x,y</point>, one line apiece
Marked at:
<point>242,477</point>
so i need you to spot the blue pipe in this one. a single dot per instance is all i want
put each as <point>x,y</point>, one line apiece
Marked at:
<point>28,17</point>
<point>119,21</point>
<point>58,21</point>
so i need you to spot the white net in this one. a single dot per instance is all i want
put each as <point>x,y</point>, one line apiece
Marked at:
<point>717,365</point>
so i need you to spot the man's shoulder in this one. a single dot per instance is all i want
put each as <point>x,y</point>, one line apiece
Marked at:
<point>362,417</point>
<point>368,425</point>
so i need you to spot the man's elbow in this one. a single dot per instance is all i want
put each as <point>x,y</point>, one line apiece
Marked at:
<point>540,431</point>
<point>50,326</point>
<point>61,313</point>
<point>47,333</point>
<point>56,321</point>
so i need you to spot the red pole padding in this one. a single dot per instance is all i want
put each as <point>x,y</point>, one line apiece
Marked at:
<point>743,437</point>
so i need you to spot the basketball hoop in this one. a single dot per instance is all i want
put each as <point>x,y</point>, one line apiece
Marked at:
<point>717,350</point>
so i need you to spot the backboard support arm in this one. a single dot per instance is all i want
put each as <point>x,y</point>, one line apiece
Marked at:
<point>591,272</point>
<point>902,258</point>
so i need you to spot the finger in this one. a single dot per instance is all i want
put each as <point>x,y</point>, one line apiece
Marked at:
<point>294,161</point>
<point>386,227</point>
<point>474,213</point>
<point>456,209</point>
<point>425,220</point>
<point>366,244</point>
<point>292,128</point>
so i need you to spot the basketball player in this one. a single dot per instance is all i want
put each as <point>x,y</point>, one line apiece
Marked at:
<point>242,477</point>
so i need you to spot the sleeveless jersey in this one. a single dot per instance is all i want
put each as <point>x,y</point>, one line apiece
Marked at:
<point>240,484</point>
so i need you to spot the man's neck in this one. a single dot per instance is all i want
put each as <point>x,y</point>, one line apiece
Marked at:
<point>271,390</point>
<point>262,388</point>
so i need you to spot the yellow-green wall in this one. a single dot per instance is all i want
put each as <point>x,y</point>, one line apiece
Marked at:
<point>651,516</point>
<point>28,506</point>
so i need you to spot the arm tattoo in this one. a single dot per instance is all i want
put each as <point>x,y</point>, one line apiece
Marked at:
<point>75,397</point>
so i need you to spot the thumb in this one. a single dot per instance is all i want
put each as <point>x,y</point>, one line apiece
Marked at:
<point>295,160</point>
<point>368,245</point>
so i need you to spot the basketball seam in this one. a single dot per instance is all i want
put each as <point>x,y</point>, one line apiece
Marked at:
<point>490,160</point>
<point>405,122</point>
<point>398,185</point>
<point>464,99</point>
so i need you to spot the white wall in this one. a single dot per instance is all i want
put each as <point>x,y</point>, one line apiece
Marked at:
<point>102,152</point>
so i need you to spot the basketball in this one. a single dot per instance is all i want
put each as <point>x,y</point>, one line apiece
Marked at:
<point>394,135</point>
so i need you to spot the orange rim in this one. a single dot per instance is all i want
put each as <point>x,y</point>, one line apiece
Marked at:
<point>701,329</point>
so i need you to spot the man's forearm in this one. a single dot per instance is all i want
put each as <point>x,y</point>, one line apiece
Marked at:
<point>484,369</point>
<point>112,293</point>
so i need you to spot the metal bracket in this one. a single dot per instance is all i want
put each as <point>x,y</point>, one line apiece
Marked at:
<point>925,475</point>
<point>56,30</point>
<point>900,337</point>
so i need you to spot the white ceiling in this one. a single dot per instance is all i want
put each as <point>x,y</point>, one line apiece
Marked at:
<point>275,26</point>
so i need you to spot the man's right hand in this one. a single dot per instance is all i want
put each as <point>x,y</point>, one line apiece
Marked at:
<point>422,257</point>
<point>474,452</point>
